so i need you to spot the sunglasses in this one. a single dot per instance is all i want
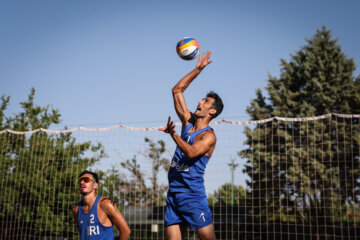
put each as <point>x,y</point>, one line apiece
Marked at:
<point>86,180</point>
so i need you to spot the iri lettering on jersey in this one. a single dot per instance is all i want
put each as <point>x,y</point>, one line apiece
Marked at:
<point>93,230</point>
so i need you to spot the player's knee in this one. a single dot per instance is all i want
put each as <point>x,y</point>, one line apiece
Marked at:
<point>206,233</point>
<point>209,236</point>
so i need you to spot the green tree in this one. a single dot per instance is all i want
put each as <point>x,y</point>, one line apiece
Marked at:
<point>137,191</point>
<point>158,162</point>
<point>228,194</point>
<point>306,170</point>
<point>39,171</point>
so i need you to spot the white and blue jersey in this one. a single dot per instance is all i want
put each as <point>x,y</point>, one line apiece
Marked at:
<point>186,200</point>
<point>90,227</point>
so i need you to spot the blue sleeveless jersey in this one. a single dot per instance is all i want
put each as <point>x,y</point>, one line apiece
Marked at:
<point>187,174</point>
<point>90,226</point>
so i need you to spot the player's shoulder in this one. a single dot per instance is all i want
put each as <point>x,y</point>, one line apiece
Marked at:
<point>208,135</point>
<point>106,202</point>
<point>210,131</point>
<point>76,207</point>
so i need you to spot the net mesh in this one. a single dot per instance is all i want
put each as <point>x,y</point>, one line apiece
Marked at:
<point>278,178</point>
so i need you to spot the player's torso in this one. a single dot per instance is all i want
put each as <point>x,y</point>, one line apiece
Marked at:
<point>199,136</point>
<point>185,174</point>
<point>93,223</point>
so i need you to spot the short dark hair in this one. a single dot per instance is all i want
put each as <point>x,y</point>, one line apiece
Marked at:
<point>217,104</point>
<point>89,172</point>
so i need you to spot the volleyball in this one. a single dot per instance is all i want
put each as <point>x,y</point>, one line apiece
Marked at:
<point>188,48</point>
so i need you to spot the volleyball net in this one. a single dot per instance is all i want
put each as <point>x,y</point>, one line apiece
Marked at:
<point>278,178</point>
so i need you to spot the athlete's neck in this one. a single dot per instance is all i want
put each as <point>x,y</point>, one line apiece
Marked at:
<point>200,123</point>
<point>89,199</point>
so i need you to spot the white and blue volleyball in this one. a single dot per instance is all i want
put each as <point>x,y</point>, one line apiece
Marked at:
<point>188,48</point>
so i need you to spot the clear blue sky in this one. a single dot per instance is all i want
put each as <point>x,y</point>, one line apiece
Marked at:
<point>101,63</point>
<point>107,62</point>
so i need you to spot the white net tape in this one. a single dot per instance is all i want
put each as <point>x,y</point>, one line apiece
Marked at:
<point>178,124</point>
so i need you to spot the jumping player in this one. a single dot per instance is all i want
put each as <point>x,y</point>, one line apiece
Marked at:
<point>186,203</point>
<point>95,215</point>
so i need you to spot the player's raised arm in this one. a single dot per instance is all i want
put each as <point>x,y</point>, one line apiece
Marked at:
<point>179,101</point>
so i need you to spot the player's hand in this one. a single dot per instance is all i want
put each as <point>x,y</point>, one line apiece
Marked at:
<point>203,60</point>
<point>169,128</point>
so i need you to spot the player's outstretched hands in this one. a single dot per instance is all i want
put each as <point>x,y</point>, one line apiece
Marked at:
<point>169,128</point>
<point>203,60</point>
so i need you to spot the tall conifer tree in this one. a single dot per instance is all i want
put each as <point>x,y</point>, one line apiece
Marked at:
<point>306,171</point>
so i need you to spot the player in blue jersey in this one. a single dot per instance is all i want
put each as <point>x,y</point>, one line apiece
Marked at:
<point>186,203</point>
<point>95,215</point>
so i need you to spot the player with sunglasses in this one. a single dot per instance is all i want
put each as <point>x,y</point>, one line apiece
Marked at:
<point>95,215</point>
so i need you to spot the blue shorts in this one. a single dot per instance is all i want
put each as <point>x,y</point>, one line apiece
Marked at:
<point>190,208</point>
